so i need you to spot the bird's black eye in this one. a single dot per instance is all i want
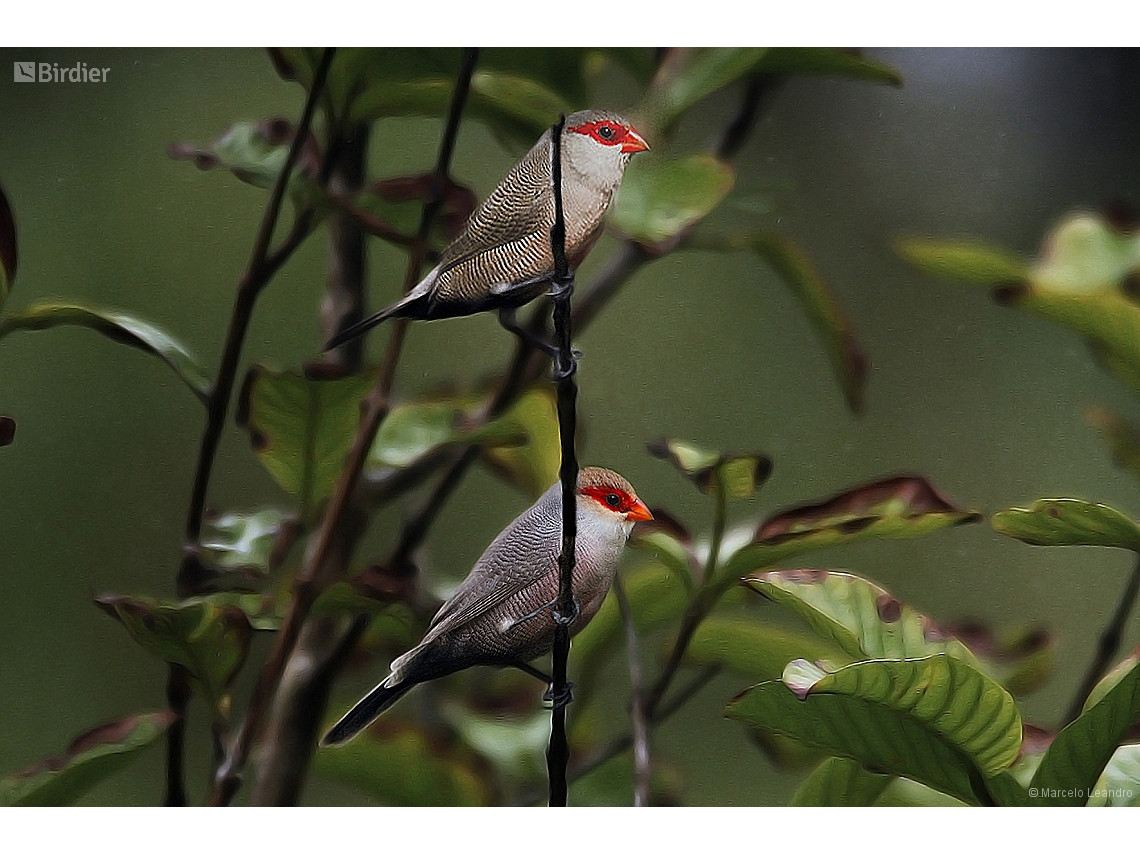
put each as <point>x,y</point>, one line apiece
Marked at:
<point>613,499</point>
<point>606,133</point>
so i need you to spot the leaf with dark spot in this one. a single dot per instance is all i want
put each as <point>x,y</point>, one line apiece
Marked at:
<point>91,757</point>
<point>7,430</point>
<point>740,475</point>
<point>121,328</point>
<point>1069,522</point>
<point>8,250</point>
<point>864,620</point>
<point>397,763</point>
<point>896,507</point>
<point>254,152</point>
<point>886,716</point>
<point>207,636</point>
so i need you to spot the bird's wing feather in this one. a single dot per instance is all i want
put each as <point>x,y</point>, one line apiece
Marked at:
<point>524,554</point>
<point>520,206</point>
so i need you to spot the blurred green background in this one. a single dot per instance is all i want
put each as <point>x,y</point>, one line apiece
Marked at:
<point>985,401</point>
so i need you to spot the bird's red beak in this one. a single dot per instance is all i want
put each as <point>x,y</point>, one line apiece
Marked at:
<point>634,142</point>
<point>639,512</point>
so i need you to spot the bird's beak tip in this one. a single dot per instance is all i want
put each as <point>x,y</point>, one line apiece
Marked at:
<point>634,143</point>
<point>640,513</point>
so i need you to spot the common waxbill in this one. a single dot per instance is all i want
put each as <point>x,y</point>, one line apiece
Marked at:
<point>502,258</point>
<point>503,612</point>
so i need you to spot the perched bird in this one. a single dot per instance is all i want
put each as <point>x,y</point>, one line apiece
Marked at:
<point>502,259</point>
<point>503,612</point>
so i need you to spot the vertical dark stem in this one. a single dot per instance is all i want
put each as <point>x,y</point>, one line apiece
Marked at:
<point>1108,646</point>
<point>178,699</point>
<point>558,752</point>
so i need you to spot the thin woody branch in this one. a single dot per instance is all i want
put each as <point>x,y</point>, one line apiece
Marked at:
<point>314,575</point>
<point>642,769</point>
<point>263,265</point>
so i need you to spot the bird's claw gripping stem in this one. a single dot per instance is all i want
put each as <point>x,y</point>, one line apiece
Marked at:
<point>560,619</point>
<point>558,700</point>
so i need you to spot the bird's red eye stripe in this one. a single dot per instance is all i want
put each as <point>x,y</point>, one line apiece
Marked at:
<point>613,499</point>
<point>614,134</point>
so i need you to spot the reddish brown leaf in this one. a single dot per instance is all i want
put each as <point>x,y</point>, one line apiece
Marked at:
<point>7,430</point>
<point>852,510</point>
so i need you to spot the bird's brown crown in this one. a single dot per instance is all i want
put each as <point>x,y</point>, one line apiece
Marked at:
<point>611,491</point>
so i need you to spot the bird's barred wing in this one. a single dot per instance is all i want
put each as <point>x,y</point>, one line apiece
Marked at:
<point>522,556</point>
<point>522,205</point>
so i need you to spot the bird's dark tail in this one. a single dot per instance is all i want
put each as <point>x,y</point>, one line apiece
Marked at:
<point>365,712</point>
<point>361,327</point>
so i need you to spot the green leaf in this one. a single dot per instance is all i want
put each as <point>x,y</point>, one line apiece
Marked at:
<point>970,261</point>
<point>124,329</point>
<point>936,720</point>
<point>207,636</point>
<point>902,506</point>
<point>90,758</point>
<point>823,310</point>
<point>516,105</point>
<point>1081,751</point>
<point>740,475</point>
<point>532,466</point>
<point>690,74</point>
<point>254,152</point>
<point>412,431</point>
<point>397,764</point>
<point>1068,522</point>
<point>244,541</point>
<point>864,620</point>
<point>660,198</point>
<point>1119,784</point>
<point>1021,659</point>
<point>1122,436</point>
<point>1085,280</point>
<point>756,650</point>
<point>8,249</point>
<point>1109,680</point>
<point>828,61</point>
<point>840,782</point>
<point>301,428</point>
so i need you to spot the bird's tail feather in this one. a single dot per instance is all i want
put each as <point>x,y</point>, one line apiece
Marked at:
<point>361,327</point>
<point>365,712</point>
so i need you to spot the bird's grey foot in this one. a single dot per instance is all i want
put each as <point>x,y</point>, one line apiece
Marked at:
<point>508,321</point>
<point>562,290</point>
<point>566,621</point>
<point>560,699</point>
